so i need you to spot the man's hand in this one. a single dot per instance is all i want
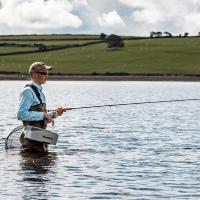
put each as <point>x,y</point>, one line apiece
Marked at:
<point>59,111</point>
<point>48,118</point>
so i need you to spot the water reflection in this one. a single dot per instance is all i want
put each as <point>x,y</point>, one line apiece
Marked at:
<point>36,172</point>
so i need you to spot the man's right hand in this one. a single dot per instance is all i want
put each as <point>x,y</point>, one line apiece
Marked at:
<point>49,119</point>
<point>59,111</point>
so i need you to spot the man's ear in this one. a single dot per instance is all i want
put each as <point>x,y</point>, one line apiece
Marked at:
<point>34,75</point>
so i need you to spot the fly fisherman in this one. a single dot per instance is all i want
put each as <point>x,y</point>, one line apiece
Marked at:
<point>32,106</point>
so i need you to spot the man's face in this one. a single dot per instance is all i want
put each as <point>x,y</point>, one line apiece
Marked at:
<point>40,77</point>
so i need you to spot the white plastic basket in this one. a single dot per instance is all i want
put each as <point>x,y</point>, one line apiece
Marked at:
<point>41,135</point>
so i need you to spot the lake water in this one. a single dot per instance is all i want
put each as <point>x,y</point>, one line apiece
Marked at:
<point>149,151</point>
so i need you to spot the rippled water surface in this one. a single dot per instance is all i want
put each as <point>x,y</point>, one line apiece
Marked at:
<point>149,151</point>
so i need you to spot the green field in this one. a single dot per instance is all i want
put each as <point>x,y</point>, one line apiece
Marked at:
<point>13,49</point>
<point>164,55</point>
<point>48,37</point>
<point>49,42</point>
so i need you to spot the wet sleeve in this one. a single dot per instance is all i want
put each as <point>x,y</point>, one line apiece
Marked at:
<point>25,102</point>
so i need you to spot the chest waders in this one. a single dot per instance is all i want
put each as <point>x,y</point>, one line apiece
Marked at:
<point>32,145</point>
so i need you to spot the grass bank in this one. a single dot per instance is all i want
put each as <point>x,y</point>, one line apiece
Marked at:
<point>179,56</point>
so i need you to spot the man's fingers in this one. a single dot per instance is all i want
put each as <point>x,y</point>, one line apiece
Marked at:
<point>52,122</point>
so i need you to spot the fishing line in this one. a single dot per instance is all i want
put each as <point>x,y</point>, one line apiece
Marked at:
<point>126,104</point>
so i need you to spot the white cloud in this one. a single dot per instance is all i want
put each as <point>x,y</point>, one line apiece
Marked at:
<point>192,22</point>
<point>80,3</point>
<point>111,19</point>
<point>38,15</point>
<point>127,17</point>
<point>165,15</point>
<point>137,3</point>
<point>151,16</point>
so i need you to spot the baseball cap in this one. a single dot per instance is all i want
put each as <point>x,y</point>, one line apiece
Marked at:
<point>39,67</point>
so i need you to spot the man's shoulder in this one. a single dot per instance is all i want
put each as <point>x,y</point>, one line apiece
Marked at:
<point>27,90</point>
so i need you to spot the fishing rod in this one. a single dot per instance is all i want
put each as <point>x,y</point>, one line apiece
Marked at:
<point>126,104</point>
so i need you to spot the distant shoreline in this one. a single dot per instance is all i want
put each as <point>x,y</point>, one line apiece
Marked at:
<point>113,77</point>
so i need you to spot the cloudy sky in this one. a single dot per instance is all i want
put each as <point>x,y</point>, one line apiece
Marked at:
<point>125,17</point>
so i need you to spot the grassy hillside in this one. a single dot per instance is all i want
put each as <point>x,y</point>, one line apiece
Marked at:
<point>48,37</point>
<point>165,55</point>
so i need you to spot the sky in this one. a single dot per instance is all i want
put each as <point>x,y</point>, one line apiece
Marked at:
<point>122,17</point>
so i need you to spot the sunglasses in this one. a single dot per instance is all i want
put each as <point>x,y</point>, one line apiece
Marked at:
<point>42,73</point>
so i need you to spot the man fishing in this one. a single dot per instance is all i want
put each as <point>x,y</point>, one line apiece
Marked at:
<point>32,107</point>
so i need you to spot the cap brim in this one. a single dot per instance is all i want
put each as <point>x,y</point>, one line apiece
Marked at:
<point>48,67</point>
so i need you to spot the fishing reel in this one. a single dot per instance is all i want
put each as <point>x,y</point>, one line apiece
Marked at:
<point>53,114</point>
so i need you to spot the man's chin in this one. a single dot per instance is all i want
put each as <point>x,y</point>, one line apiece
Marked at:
<point>43,82</point>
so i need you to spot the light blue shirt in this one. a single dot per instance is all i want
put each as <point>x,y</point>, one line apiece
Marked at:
<point>28,98</point>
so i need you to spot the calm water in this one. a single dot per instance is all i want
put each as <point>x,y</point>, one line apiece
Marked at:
<point>127,152</point>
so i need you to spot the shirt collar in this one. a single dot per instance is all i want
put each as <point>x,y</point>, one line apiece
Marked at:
<point>37,85</point>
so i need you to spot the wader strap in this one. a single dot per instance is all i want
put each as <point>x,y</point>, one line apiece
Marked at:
<point>38,108</point>
<point>36,91</point>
